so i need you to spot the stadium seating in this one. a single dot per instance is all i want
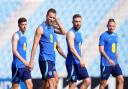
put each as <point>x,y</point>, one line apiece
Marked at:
<point>8,7</point>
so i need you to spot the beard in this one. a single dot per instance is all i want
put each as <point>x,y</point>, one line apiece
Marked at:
<point>111,30</point>
<point>23,30</point>
<point>77,27</point>
<point>50,22</point>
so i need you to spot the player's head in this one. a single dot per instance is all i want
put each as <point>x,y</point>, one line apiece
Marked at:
<point>111,25</point>
<point>22,23</point>
<point>77,21</point>
<point>50,16</point>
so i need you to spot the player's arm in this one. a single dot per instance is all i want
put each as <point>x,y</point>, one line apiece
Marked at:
<point>59,28</point>
<point>70,39</point>
<point>15,39</point>
<point>116,55</point>
<point>61,52</point>
<point>103,53</point>
<point>37,37</point>
<point>101,49</point>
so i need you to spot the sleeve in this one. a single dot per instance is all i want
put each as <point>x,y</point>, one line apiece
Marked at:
<point>102,40</point>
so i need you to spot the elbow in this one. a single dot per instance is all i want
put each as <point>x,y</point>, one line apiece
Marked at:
<point>101,51</point>
<point>14,52</point>
<point>72,49</point>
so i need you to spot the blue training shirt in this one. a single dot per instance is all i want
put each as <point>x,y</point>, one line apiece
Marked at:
<point>21,48</point>
<point>109,41</point>
<point>77,45</point>
<point>47,43</point>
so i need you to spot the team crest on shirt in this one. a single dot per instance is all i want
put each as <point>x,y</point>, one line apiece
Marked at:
<point>113,47</point>
<point>51,38</point>
<point>25,46</point>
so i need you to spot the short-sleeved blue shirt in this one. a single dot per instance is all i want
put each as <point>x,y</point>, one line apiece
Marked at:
<point>109,41</point>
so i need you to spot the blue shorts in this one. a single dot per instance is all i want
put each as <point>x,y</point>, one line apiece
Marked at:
<point>20,74</point>
<point>107,70</point>
<point>47,69</point>
<point>76,72</point>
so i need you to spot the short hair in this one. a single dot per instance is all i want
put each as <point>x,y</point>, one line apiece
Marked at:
<point>111,20</point>
<point>21,19</point>
<point>51,10</point>
<point>77,16</point>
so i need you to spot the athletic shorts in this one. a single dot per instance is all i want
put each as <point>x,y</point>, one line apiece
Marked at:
<point>47,69</point>
<point>107,70</point>
<point>76,72</point>
<point>20,74</point>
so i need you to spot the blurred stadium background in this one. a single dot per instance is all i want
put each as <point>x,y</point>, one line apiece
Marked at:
<point>95,16</point>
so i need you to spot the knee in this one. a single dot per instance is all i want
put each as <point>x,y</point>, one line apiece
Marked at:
<point>87,81</point>
<point>52,82</point>
<point>120,80</point>
<point>71,84</point>
<point>30,85</point>
<point>15,86</point>
<point>56,81</point>
<point>103,83</point>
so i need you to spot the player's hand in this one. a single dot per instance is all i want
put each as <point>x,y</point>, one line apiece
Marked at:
<point>82,63</point>
<point>30,66</point>
<point>56,20</point>
<point>111,62</point>
<point>26,63</point>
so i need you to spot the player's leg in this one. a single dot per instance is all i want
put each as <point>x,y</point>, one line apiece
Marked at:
<point>86,82</point>
<point>82,74</point>
<point>71,78</point>
<point>105,73</point>
<point>103,84</point>
<point>55,75</point>
<point>50,83</point>
<point>15,78</point>
<point>43,86</point>
<point>120,81</point>
<point>29,84</point>
<point>43,69</point>
<point>119,77</point>
<point>52,77</point>
<point>15,86</point>
<point>26,77</point>
<point>46,68</point>
<point>56,79</point>
<point>72,85</point>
